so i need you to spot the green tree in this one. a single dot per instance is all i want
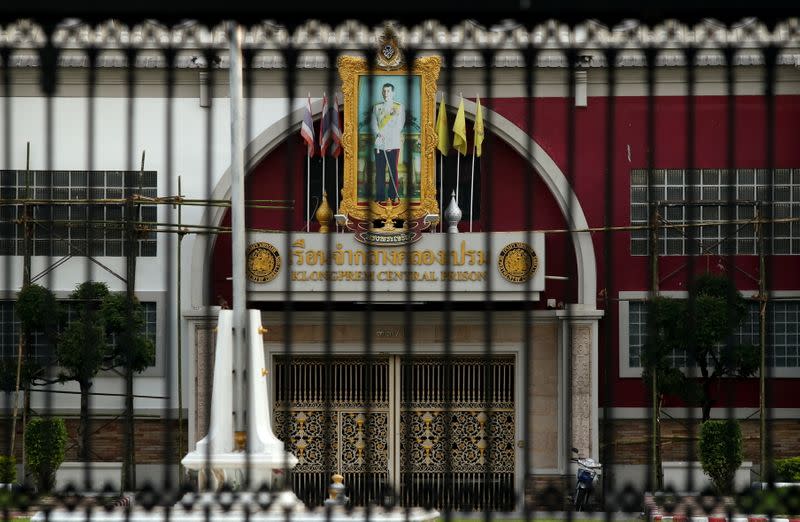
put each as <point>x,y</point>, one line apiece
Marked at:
<point>38,311</point>
<point>665,334</point>
<point>703,328</point>
<point>108,333</point>
<point>719,310</point>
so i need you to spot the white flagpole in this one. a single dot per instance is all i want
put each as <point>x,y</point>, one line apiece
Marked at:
<point>471,188</point>
<point>441,190</point>
<point>308,192</point>
<point>336,196</point>
<point>323,174</point>
<point>458,174</point>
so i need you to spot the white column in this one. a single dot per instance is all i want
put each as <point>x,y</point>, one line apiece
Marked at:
<point>237,223</point>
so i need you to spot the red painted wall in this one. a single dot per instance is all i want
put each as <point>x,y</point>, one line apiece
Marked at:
<point>508,198</point>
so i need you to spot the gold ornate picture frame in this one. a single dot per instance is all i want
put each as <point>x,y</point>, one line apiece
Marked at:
<point>357,143</point>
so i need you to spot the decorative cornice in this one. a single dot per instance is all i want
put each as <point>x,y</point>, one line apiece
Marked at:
<point>315,43</point>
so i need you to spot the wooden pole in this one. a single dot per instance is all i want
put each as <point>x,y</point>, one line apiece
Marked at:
<point>766,472</point>
<point>655,421</point>
<point>180,338</point>
<point>26,281</point>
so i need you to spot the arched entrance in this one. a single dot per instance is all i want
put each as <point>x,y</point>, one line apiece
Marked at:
<point>576,330</point>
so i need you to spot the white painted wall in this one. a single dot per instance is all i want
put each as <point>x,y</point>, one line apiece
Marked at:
<point>110,152</point>
<point>676,476</point>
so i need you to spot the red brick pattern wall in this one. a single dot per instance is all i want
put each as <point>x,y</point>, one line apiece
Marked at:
<point>630,439</point>
<point>106,440</point>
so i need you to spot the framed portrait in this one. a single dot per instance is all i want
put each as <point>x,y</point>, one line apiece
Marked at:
<point>389,137</point>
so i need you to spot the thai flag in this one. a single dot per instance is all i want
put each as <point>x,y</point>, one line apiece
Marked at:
<point>307,128</point>
<point>324,127</point>
<point>336,132</point>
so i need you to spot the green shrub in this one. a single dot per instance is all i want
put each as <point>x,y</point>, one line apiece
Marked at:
<point>721,452</point>
<point>8,469</point>
<point>788,470</point>
<point>38,309</point>
<point>45,447</point>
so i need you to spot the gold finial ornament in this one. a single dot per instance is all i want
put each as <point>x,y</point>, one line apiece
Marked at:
<point>324,214</point>
<point>240,440</point>
<point>336,492</point>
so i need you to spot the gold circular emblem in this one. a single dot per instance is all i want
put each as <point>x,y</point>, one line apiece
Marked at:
<point>263,262</point>
<point>517,262</point>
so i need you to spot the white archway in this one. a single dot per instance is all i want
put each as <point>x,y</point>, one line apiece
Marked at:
<point>503,128</point>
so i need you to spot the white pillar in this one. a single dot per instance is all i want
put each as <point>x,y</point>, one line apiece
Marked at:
<point>237,223</point>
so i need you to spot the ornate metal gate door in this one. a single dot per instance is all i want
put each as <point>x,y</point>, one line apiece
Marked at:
<point>352,440</point>
<point>457,433</point>
<point>443,430</point>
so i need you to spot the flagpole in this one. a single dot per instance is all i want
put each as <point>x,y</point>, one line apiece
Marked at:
<point>336,196</point>
<point>458,165</point>
<point>325,114</point>
<point>308,192</point>
<point>441,190</point>
<point>471,188</point>
<point>458,174</point>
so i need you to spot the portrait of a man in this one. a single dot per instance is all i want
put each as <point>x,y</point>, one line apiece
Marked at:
<point>389,137</point>
<point>388,120</point>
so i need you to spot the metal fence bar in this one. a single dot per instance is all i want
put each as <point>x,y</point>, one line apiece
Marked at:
<point>422,364</point>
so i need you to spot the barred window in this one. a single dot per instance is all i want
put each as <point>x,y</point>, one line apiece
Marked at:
<point>39,348</point>
<point>783,334</point>
<point>710,190</point>
<point>9,336</point>
<point>75,213</point>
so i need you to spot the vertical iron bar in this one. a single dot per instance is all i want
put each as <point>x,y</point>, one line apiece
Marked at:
<point>607,455</point>
<point>770,54</point>
<point>290,57</point>
<point>327,389</point>
<point>92,54</point>
<point>49,77</point>
<point>369,320</point>
<point>171,280</point>
<point>5,55</point>
<point>570,289</point>
<point>249,374</point>
<point>208,128</point>
<point>655,476</point>
<point>488,56</point>
<point>129,460</point>
<point>691,231</point>
<point>449,56</point>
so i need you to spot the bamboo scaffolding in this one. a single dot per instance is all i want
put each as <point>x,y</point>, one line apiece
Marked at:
<point>146,226</point>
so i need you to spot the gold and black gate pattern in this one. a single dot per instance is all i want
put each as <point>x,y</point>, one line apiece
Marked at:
<point>455,419</point>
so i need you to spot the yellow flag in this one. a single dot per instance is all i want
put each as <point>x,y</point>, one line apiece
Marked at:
<point>460,130</point>
<point>441,130</point>
<point>478,129</point>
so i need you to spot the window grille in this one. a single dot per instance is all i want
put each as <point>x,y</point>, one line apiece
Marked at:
<point>40,348</point>
<point>709,190</point>
<point>61,228</point>
<point>783,322</point>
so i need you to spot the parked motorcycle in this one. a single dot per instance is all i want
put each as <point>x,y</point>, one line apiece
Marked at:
<point>587,476</point>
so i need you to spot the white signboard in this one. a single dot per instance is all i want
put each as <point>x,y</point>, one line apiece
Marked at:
<point>508,264</point>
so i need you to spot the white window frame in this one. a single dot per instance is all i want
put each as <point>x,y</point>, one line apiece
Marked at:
<point>625,297</point>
